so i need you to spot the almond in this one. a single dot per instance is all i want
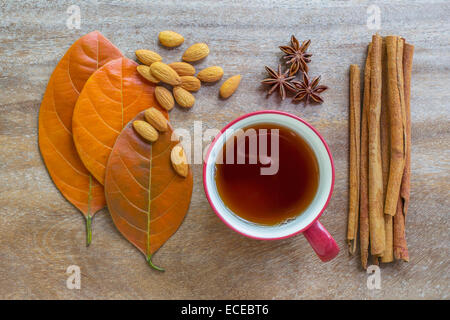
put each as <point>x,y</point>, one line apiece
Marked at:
<point>179,161</point>
<point>190,83</point>
<point>165,73</point>
<point>183,97</point>
<point>196,52</point>
<point>145,130</point>
<point>147,56</point>
<point>156,119</point>
<point>146,73</point>
<point>170,38</point>
<point>164,97</point>
<point>229,86</point>
<point>210,74</point>
<point>182,68</point>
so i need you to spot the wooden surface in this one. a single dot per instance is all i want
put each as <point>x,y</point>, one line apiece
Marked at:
<point>41,234</point>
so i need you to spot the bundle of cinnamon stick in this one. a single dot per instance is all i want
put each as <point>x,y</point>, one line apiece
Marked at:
<point>380,151</point>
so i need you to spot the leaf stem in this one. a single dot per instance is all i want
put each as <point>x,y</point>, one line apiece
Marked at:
<point>150,263</point>
<point>88,230</point>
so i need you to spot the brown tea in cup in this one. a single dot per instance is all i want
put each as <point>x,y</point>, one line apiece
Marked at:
<point>267,182</point>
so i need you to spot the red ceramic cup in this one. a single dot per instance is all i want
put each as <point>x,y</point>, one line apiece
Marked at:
<point>307,222</point>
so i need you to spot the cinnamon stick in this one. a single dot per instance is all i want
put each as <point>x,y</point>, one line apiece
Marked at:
<point>376,220</point>
<point>400,246</point>
<point>388,254</point>
<point>364,171</point>
<point>397,119</point>
<point>375,260</point>
<point>408,52</point>
<point>355,135</point>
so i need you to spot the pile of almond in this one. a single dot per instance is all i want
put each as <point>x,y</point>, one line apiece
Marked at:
<point>180,76</point>
<point>149,129</point>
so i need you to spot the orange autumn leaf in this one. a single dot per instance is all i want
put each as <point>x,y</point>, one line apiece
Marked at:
<point>67,171</point>
<point>147,199</point>
<point>112,96</point>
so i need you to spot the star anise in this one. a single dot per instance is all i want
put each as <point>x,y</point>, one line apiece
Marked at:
<point>308,89</point>
<point>296,55</point>
<point>279,80</point>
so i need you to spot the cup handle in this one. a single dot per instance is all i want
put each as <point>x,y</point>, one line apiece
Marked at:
<point>321,241</point>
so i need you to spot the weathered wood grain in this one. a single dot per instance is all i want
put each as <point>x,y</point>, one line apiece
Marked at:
<point>42,234</point>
